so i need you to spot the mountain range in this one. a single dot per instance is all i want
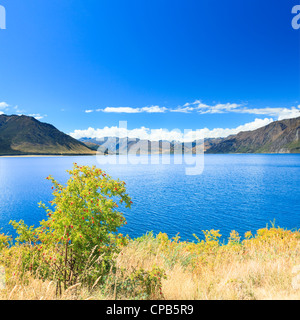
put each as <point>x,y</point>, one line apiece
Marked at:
<point>24,135</point>
<point>277,137</point>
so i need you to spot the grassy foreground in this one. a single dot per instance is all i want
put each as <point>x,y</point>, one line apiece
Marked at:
<point>262,266</point>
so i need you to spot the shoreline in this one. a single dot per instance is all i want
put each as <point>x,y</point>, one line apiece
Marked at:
<point>95,154</point>
<point>46,155</point>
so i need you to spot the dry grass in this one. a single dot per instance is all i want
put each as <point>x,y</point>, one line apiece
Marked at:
<point>36,289</point>
<point>260,268</point>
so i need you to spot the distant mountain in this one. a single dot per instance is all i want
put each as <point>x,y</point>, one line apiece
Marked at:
<point>113,145</point>
<point>23,135</point>
<point>277,137</point>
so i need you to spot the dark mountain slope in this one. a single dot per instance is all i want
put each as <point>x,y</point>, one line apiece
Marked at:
<point>23,135</point>
<point>277,137</point>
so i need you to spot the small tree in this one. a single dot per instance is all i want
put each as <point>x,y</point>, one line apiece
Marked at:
<point>78,240</point>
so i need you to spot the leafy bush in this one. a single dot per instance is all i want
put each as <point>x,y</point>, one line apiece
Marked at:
<point>5,241</point>
<point>79,240</point>
<point>137,284</point>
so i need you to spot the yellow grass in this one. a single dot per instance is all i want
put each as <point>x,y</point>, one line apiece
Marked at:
<point>261,267</point>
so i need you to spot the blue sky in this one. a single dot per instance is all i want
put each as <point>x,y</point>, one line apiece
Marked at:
<point>194,64</point>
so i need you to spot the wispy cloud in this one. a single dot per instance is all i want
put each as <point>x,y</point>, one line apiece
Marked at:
<point>201,108</point>
<point>18,110</point>
<point>279,113</point>
<point>3,105</point>
<point>119,110</point>
<point>151,109</point>
<point>169,135</point>
<point>250,126</point>
<point>6,108</point>
<point>184,109</point>
<point>154,109</point>
<point>37,116</point>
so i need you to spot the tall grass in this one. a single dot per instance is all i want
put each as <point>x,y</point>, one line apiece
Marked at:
<point>262,266</point>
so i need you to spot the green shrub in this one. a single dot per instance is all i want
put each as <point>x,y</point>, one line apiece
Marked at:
<point>78,241</point>
<point>138,284</point>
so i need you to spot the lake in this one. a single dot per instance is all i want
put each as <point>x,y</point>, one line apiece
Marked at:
<point>234,192</point>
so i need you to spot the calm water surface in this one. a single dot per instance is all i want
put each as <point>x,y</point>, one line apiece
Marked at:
<point>235,192</point>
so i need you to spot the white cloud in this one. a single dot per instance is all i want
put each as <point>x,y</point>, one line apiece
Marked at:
<point>222,133</point>
<point>279,113</point>
<point>37,116</point>
<point>140,133</point>
<point>151,109</point>
<point>164,134</point>
<point>289,113</point>
<point>119,110</point>
<point>8,108</point>
<point>201,108</point>
<point>218,108</point>
<point>18,110</point>
<point>3,105</point>
<point>154,109</point>
<point>184,109</point>
<point>1,112</point>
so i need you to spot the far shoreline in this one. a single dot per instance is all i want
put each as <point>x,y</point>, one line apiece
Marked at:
<point>47,155</point>
<point>95,154</point>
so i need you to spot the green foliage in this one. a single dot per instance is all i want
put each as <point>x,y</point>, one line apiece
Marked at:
<point>5,241</point>
<point>79,239</point>
<point>235,238</point>
<point>139,284</point>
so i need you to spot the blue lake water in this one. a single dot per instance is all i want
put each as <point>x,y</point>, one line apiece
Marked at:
<point>234,192</point>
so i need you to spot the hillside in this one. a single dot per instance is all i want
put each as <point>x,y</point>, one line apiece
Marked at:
<point>23,135</point>
<point>277,137</point>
